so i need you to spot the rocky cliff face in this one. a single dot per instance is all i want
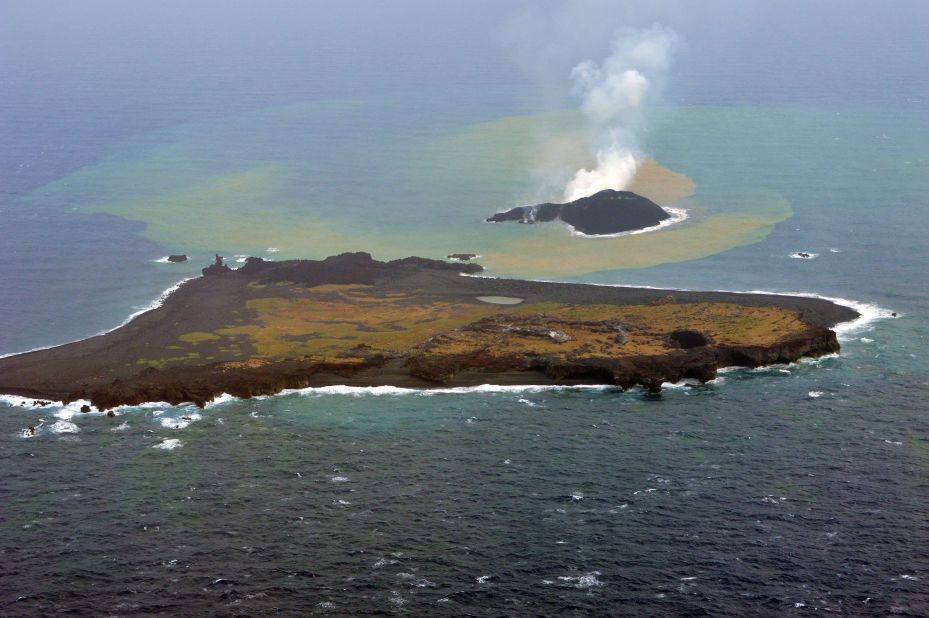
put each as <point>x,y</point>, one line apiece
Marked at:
<point>445,356</point>
<point>429,368</point>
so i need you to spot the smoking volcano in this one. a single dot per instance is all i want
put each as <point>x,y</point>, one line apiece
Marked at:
<point>603,213</point>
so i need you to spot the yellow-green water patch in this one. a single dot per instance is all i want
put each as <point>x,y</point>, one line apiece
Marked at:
<point>309,193</point>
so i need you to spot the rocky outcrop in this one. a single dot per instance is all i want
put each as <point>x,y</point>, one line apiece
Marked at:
<point>649,371</point>
<point>346,268</point>
<point>216,268</point>
<point>606,212</point>
<point>176,259</point>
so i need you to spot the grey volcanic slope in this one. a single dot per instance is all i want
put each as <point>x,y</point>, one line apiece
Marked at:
<point>603,213</point>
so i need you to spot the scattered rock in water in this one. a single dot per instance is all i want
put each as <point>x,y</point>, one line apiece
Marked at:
<point>177,258</point>
<point>804,255</point>
<point>461,257</point>
<point>85,408</point>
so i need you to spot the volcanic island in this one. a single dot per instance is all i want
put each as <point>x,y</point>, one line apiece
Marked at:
<point>604,213</point>
<point>414,322</point>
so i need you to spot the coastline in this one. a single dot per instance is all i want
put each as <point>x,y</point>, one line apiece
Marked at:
<point>423,372</point>
<point>678,215</point>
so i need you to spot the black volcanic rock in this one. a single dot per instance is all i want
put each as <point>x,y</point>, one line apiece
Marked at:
<point>345,268</point>
<point>177,258</point>
<point>216,268</point>
<point>606,212</point>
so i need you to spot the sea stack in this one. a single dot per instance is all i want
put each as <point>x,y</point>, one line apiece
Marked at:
<point>604,213</point>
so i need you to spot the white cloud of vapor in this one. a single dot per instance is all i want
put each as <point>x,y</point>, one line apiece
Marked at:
<point>613,96</point>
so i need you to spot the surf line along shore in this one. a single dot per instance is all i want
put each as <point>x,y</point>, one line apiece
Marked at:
<point>416,323</point>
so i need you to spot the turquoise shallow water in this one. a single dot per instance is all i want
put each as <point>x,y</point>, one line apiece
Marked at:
<point>793,490</point>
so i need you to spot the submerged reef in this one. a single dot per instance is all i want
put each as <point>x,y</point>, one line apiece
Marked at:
<point>604,213</point>
<point>414,322</point>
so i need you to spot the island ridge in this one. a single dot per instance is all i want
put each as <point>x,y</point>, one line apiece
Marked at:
<point>350,319</point>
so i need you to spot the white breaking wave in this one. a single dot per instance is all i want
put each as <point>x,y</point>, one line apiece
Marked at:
<point>15,401</point>
<point>169,444</point>
<point>396,391</point>
<point>180,422</point>
<point>63,427</point>
<point>685,383</point>
<point>363,391</point>
<point>221,399</point>
<point>588,580</point>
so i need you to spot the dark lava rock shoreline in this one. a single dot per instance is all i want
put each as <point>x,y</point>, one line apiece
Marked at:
<point>604,213</point>
<point>105,369</point>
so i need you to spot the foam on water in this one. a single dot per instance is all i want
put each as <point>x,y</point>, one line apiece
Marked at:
<point>63,427</point>
<point>685,383</point>
<point>583,582</point>
<point>69,411</point>
<point>169,444</point>
<point>15,401</point>
<point>221,399</point>
<point>180,422</point>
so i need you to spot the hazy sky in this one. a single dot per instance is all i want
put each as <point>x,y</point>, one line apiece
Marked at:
<point>359,47</point>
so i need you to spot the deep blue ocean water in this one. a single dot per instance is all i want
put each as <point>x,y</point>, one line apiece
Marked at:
<point>793,490</point>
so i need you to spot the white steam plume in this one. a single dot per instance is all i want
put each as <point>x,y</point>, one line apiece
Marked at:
<point>613,96</point>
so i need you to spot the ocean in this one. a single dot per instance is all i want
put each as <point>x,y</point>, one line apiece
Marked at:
<point>301,130</point>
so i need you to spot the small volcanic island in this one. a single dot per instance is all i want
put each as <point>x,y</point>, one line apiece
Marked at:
<point>601,214</point>
<point>352,320</point>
